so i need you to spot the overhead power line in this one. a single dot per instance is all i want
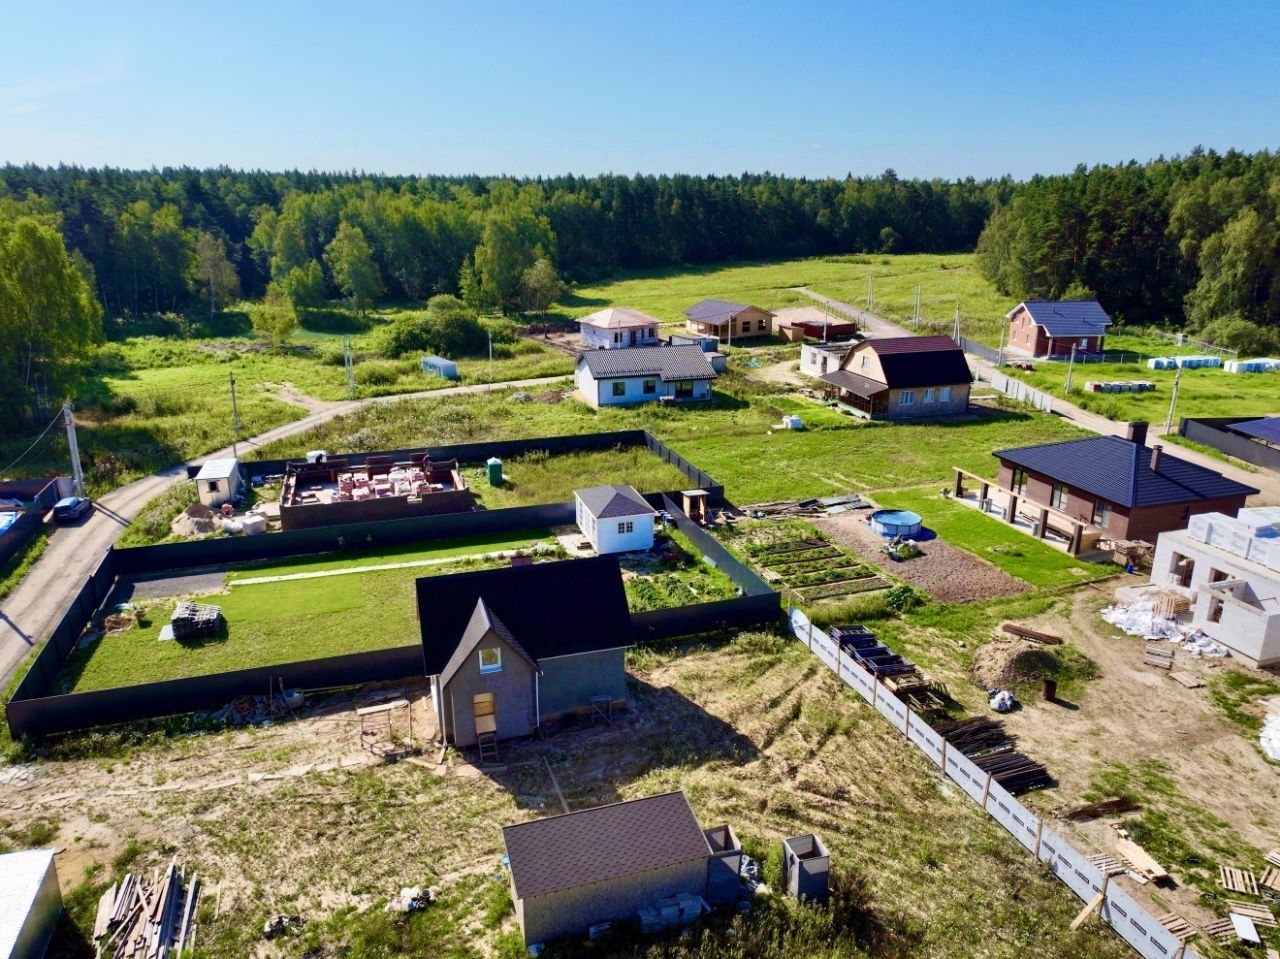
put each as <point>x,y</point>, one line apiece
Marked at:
<point>55,419</point>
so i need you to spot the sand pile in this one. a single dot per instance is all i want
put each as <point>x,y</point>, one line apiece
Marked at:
<point>196,520</point>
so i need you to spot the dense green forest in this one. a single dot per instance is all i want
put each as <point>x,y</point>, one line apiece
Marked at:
<point>166,240</point>
<point>1193,241</point>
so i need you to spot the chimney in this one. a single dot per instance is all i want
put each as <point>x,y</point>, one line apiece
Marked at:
<point>1137,433</point>
<point>1155,456</point>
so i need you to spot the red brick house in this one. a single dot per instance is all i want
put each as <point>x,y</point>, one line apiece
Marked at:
<point>1121,488</point>
<point>1051,328</point>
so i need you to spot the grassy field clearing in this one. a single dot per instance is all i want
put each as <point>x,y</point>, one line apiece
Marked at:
<point>543,478</point>
<point>987,537</point>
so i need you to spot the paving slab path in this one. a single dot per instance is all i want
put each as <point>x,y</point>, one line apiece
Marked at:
<point>31,611</point>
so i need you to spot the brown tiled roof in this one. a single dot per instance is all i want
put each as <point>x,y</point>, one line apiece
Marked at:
<point>854,383</point>
<point>596,845</point>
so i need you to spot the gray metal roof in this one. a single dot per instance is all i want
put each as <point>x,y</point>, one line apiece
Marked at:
<point>607,842</point>
<point>609,502</point>
<point>21,875</point>
<point>1067,317</point>
<point>718,312</point>
<point>1119,471</point>
<point>665,362</point>
<point>618,318</point>
<point>217,469</point>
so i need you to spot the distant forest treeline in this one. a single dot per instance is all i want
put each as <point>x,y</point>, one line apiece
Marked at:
<point>141,231</point>
<point>1193,240</point>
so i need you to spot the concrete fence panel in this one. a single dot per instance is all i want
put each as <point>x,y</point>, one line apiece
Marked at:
<point>863,682</point>
<point>965,774</point>
<point>1137,927</point>
<point>892,708</point>
<point>922,734</point>
<point>1015,817</point>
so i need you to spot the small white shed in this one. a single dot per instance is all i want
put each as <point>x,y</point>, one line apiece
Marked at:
<point>616,519</point>
<point>218,481</point>
<point>30,902</point>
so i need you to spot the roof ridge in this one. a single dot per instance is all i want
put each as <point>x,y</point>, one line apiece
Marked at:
<point>608,805</point>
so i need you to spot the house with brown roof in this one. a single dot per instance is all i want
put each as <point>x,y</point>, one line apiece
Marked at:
<point>576,870</point>
<point>618,327</point>
<point>727,320</point>
<point>508,649</point>
<point>901,377</point>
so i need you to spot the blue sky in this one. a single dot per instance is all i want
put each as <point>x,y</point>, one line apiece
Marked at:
<point>815,89</point>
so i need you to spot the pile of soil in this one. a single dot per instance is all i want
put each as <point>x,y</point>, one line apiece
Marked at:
<point>1004,664</point>
<point>196,520</point>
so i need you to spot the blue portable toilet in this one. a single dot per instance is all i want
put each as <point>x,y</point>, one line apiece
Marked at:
<point>439,366</point>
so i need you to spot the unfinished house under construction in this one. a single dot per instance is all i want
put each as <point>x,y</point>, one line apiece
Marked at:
<point>329,492</point>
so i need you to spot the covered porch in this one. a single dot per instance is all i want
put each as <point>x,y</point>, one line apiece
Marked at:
<point>856,393</point>
<point>1045,523</point>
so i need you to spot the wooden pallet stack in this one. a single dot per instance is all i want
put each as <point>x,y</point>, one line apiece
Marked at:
<point>1238,880</point>
<point>1159,655</point>
<point>146,919</point>
<point>1172,605</point>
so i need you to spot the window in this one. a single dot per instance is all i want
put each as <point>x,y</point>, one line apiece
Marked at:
<point>1102,515</point>
<point>762,325</point>
<point>928,397</point>
<point>491,660</point>
<point>864,361</point>
<point>1084,342</point>
<point>1216,575</point>
<point>619,388</point>
<point>617,337</point>
<point>906,397</point>
<point>627,526</point>
<point>213,486</point>
<point>1058,497</point>
<point>944,394</point>
<point>650,387</point>
<point>1019,481</point>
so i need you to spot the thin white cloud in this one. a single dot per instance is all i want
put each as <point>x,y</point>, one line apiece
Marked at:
<point>36,93</point>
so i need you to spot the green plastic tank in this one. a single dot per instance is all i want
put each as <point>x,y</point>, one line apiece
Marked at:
<point>494,467</point>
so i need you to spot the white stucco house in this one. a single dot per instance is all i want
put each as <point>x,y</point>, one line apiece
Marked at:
<point>670,374</point>
<point>818,359</point>
<point>1230,568</point>
<point>218,481</point>
<point>616,519</point>
<point>618,327</point>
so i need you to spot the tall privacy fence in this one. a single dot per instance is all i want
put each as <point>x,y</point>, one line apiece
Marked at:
<point>35,709</point>
<point>507,449</point>
<point>1213,432</point>
<point>1018,390</point>
<point>1119,910</point>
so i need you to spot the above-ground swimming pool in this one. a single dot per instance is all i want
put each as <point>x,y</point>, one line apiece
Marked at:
<point>895,522</point>
<point>7,519</point>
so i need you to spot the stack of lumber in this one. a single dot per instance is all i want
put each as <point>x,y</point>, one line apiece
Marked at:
<point>1260,915</point>
<point>1094,810</point>
<point>1107,865</point>
<point>1140,860</point>
<point>1159,655</point>
<point>1238,880</point>
<point>1271,876</point>
<point>1222,931</point>
<point>1044,639</point>
<point>141,919</point>
<point>1187,679</point>
<point>1172,605</point>
<point>990,747</point>
<point>1178,927</point>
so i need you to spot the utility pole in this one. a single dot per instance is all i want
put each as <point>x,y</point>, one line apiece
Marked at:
<point>235,417</point>
<point>349,365</point>
<point>1173,400</point>
<point>1071,365</point>
<point>490,359</point>
<point>77,474</point>
<point>1000,349</point>
<point>957,329</point>
<point>915,316</point>
<point>871,293</point>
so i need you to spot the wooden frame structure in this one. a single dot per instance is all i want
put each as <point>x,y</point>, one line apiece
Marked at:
<point>1075,536</point>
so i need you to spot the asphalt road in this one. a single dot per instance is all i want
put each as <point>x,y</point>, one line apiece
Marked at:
<point>31,611</point>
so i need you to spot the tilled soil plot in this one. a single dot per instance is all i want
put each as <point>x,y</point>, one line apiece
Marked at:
<point>946,573</point>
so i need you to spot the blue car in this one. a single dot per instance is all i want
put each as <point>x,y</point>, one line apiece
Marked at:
<point>71,508</point>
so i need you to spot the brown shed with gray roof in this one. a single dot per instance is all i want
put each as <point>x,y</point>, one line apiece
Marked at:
<point>572,871</point>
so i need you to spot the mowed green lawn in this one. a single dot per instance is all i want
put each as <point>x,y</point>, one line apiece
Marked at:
<point>266,624</point>
<point>985,536</point>
<point>408,553</point>
<point>542,478</point>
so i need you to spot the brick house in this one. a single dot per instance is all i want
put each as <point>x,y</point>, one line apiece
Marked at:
<point>901,377</point>
<point>1052,328</point>
<point>1121,488</point>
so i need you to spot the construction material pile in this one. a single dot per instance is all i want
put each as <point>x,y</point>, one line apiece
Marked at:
<point>1119,386</point>
<point>196,520</point>
<point>1144,619</point>
<point>1269,738</point>
<point>193,620</point>
<point>252,710</point>
<point>1262,364</point>
<point>1252,534</point>
<point>991,748</point>
<point>141,919</point>
<point>1184,363</point>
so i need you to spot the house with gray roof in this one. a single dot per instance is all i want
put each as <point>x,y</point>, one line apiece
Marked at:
<point>608,863</point>
<point>617,327</point>
<point>728,320</point>
<point>1052,328</point>
<point>509,649</point>
<point>616,519</point>
<point>30,903</point>
<point>647,374</point>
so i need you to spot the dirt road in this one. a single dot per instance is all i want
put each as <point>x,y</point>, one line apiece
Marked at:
<point>32,610</point>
